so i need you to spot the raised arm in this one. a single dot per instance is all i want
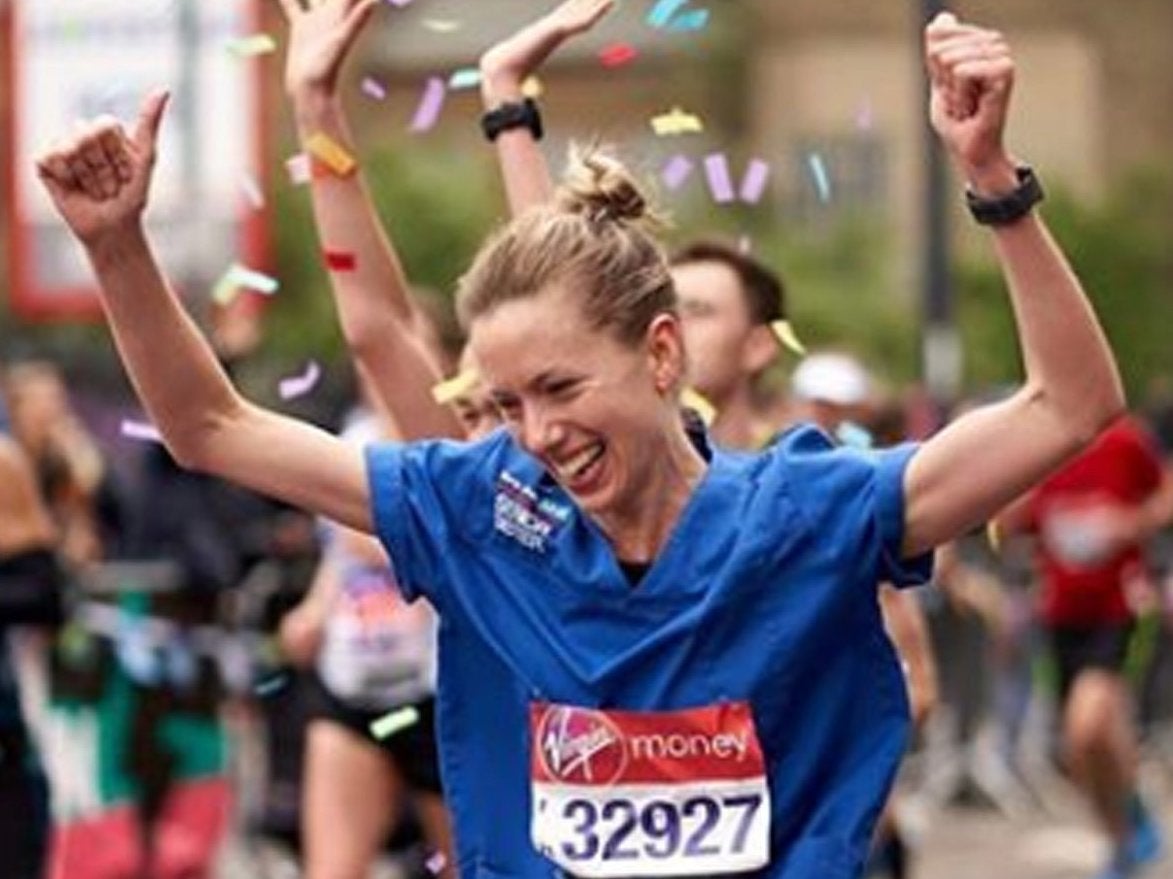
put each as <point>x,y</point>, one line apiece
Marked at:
<point>504,69</point>
<point>374,307</point>
<point>1072,390</point>
<point>99,182</point>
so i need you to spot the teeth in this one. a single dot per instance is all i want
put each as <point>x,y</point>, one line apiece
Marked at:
<point>579,463</point>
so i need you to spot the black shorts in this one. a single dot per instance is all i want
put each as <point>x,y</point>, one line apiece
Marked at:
<point>1075,650</point>
<point>413,750</point>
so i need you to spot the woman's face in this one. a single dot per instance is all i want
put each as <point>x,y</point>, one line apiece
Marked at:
<point>593,410</point>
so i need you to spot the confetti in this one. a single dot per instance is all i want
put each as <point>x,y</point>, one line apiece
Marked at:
<point>717,173</point>
<point>238,276</point>
<point>618,54</point>
<point>663,11</point>
<point>436,863</point>
<point>819,172</point>
<point>447,391</point>
<point>676,121</point>
<point>372,88</point>
<point>299,168</point>
<point>692,399</point>
<point>251,46</point>
<point>690,21</point>
<point>676,171</point>
<point>331,153</point>
<point>853,436</point>
<point>397,721</point>
<point>994,535</point>
<point>745,245</point>
<point>252,190</point>
<point>399,3</point>
<point>340,260</point>
<point>753,184</point>
<point>430,105</point>
<point>786,335</point>
<point>271,685</point>
<point>464,78</point>
<point>140,430</point>
<point>441,25</point>
<point>299,385</point>
<point>532,87</point>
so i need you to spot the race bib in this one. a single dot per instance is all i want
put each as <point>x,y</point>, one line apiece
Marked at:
<point>642,793</point>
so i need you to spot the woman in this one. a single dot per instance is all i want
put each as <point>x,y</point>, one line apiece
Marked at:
<point>660,658</point>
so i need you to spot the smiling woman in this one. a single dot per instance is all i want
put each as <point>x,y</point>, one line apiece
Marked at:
<point>606,580</point>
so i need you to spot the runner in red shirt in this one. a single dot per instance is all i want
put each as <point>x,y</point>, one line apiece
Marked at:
<point>1092,519</point>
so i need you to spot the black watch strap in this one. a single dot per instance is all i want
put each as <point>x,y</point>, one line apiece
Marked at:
<point>513,114</point>
<point>1009,208</point>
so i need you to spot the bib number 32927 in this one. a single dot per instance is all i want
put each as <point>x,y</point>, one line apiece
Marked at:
<point>626,793</point>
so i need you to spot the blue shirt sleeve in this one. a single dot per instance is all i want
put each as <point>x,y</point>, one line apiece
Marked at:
<point>890,467</point>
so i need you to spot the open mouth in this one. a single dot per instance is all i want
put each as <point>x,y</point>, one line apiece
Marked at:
<point>578,470</point>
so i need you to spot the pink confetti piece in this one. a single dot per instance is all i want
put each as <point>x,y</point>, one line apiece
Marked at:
<point>252,190</point>
<point>676,171</point>
<point>618,54</point>
<point>298,385</point>
<point>753,184</point>
<point>436,863</point>
<point>299,168</point>
<point>140,430</point>
<point>430,105</point>
<point>372,88</point>
<point>717,173</point>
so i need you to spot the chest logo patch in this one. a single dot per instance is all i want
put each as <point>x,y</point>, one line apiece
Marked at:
<point>520,514</point>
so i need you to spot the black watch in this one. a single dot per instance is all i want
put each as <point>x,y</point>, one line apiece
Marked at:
<point>1009,208</point>
<point>513,114</point>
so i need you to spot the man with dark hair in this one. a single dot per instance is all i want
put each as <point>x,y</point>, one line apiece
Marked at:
<point>728,302</point>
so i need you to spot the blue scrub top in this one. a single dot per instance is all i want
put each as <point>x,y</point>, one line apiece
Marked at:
<point>765,592</point>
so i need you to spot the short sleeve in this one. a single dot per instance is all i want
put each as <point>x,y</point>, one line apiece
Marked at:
<point>890,467</point>
<point>396,516</point>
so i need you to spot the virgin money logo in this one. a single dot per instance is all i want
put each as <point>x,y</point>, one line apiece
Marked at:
<point>578,745</point>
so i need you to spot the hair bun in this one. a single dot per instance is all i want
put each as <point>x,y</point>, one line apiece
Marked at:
<point>600,187</point>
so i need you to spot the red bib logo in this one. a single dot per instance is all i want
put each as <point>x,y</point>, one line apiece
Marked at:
<point>579,745</point>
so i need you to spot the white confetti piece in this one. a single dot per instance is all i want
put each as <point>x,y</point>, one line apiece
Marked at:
<point>822,180</point>
<point>140,430</point>
<point>298,385</point>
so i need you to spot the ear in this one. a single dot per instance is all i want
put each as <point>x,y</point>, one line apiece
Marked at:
<point>665,347</point>
<point>760,349</point>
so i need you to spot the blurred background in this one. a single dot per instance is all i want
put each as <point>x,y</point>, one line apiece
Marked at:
<point>858,214</point>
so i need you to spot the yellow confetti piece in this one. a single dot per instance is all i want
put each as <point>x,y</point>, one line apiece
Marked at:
<point>787,337</point>
<point>331,153</point>
<point>676,121</point>
<point>532,88</point>
<point>251,46</point>
<point>447,391</point>
<point>441,25</point>
<point>994,535</point>
<point>692,399</point>
<point>397,721</point>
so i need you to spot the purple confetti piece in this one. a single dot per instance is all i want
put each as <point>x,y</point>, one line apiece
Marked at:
<point>753,184</point>
<point>436,863</point>
<point>297,385</point>
<point>430,105</point>
<point>676,171</point>
<point>864,116</point>
<point>372,88</point>
<point>720,183</point>
<point>399,3</point>
<point>140,430</point>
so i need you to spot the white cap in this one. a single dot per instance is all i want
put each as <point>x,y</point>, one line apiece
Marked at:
<point>831,378</point>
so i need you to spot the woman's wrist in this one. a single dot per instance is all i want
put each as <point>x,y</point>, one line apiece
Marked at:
<point>992,179</point>
<point>312,104</point>
<point>499,86</point>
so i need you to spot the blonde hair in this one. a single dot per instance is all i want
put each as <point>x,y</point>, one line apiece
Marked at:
<point>595,240</point>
